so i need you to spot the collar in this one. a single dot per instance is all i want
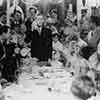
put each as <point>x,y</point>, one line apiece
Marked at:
<point>1,23</point>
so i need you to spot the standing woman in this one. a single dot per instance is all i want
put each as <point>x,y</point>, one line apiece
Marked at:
<point>28,22</point>
<point>41,46</point>
<point>31,18</point>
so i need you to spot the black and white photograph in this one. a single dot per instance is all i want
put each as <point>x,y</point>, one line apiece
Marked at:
<point>49,49</point>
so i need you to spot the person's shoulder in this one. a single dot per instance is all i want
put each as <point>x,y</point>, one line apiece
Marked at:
<point>97,30</point>
<point>46,28</point>
<point>34,30</point>
<point>27,19</point>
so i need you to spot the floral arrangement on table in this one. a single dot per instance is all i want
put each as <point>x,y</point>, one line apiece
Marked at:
<point>22,48</point>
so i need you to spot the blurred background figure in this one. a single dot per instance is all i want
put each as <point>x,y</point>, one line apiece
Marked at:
<point>3,19</point>
<point>31,18</point>
<point>16,19</point>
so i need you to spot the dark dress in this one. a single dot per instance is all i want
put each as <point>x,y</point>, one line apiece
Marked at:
<point>1,51</point>
<point>28,24</point>
<point>8,62</point>
<point>41,46</point>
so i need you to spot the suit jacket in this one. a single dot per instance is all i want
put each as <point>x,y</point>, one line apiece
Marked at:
<point>8,62</point>
<point>41,46</point>
<point>1,51</point>
<point>28,24</point>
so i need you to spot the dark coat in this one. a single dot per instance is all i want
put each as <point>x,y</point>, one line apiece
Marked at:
<point>8,62</point>
<point>41,46</point>
<point>1,51</point>
<point>28,24</point>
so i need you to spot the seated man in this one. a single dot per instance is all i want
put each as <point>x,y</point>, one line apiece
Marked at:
<point>82,88</point>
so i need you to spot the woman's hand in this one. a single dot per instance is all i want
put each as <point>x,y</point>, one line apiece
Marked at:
<point>17,50</point>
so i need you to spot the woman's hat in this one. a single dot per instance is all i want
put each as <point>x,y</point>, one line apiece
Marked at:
<point>33,7</point>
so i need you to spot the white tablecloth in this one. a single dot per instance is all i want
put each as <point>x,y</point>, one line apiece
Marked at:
<point>54,84</point>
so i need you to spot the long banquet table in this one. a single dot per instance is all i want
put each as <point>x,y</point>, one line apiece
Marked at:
<point>42,83</point>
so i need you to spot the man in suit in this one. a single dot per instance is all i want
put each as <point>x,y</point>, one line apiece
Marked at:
<point>7,60</point>
<point>41,46</point>
<point>3,36</point>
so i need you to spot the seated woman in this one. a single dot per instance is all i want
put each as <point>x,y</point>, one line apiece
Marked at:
<point>57,45</point>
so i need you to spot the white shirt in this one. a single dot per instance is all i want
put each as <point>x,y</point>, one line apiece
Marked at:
<point>82,43</point>
<point>57,46</point>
